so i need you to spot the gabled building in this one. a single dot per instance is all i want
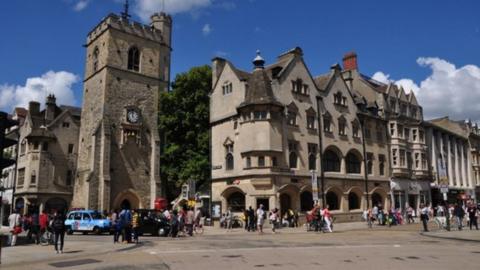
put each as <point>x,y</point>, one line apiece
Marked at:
<point>47,156</point>
<point>403,116</point>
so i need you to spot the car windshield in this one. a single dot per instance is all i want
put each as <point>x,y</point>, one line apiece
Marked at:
<point>96,215</point>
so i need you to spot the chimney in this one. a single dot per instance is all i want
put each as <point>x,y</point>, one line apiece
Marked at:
<point>50,106</point>
<point>34,108</point>
<point>218,64</point>
<point>350,61</point>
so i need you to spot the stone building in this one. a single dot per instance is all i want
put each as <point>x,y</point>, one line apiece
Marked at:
<point>275,127</point>
<point>403,116</point>
<point>127,66</point>
<point>453,153</point>
<point>47,155</point>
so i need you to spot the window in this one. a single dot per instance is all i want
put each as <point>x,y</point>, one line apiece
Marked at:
<point>133,59</point>
<point>332,200</point>
<point>344,101</point>
<point>381,160</point>
<point>299,87</point>
<point>424,162</point>
<point>353,163</point>
<point>261,161</point>
<point>414,135</point>
<point>45,146</point>
<point>403,109</point>
<point>33,178</point>
<point>417,161</point>
<point>394,157</point>
<point>342,126</point>
<point>370,163</point>
<point>392,129</point>
<point>409,160</point>
<point>35,145</point>
<point>413,112</point>
<point>23,147</point>
<point>310,122</point>
<point>21,176</point>
<point>327,123</point>
<point>353,201</point>
<point>337,98</point>
<point>236,201</point>
<point>402,157</point>
<point>421,135</point>
<point>306,90</point>
<point>312,156</point>
<point>379,134</point>
<point>274,162</point>
<point>406,133</point>
<point>249,162</point>
<point>227,88</point>
<point>292,156</point>
<point>68,179</point>
<point>331,161</point>
<point>95,59</point>
<point>400,131</point>
<point>306,201</point>
<point>259,115</point>
<point>355,130</point>
<point>292,118</point>
<point>393,104</point>
<point>66,124</point>
<point>229,157</point>
<point>70,148</point>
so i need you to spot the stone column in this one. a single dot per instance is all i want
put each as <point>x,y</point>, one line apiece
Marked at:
<point>450,173</point>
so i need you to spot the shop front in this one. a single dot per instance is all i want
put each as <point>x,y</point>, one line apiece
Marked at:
<point>407,192</point>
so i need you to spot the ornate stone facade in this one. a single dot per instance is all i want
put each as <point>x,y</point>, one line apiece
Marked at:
<point>127,66</point>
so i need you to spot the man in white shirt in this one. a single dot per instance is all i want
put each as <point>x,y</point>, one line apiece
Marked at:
<point>13,221</point>
<point>260,218</point>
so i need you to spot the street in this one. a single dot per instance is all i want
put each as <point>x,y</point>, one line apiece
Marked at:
<point>399,247</point>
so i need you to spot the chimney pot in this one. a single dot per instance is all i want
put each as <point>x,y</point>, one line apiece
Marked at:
<point>350,61</point>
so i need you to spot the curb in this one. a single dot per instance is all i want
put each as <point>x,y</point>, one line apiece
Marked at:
<point>450,238</point>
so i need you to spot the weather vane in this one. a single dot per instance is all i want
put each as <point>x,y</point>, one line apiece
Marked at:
<point>125,14</point>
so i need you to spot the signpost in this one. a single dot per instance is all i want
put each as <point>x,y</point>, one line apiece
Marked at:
<point>443,185</point>
<point>314,181</point>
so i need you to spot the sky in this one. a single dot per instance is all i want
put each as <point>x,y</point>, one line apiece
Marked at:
<point>430,47</point>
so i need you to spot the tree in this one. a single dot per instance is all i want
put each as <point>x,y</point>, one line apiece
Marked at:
<point>185,130</point>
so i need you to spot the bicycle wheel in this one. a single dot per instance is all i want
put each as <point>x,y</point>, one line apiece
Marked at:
<point>44,240</point>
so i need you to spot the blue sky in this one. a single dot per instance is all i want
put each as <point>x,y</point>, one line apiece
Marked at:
<point>389,37</point>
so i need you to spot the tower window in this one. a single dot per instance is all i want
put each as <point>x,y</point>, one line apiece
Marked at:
<point>95,59</point>
<point>133,59</point>
<point>229,157</point>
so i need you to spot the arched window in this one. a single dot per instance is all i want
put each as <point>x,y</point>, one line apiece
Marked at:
<point>306,201</point>
<point>353,163</point>
<point>312,156</point>
<point>229,161</point>
<point>332,200</point>
<point>331,162</point>
<point>353,201</point>
<point>236,201</point>
<point>95,59</point>
<point>133,59</point>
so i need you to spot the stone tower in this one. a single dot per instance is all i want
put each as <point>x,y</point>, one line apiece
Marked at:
<point>127,66</point>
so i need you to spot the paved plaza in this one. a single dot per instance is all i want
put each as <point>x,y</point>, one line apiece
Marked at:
<point>351,246</point>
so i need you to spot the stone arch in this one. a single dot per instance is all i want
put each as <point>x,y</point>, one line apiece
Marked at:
<point>290,202</point>
<point>378,195</point>
<point>332,159</point>
<point>353,161</point>
<point>127,198</point>
<point>334,198</point>
<point>237,193</point>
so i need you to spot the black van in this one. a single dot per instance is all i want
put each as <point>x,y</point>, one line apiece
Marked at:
<point>153,222</point>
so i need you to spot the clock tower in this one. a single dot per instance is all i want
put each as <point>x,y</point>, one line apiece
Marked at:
<point>127,66</point>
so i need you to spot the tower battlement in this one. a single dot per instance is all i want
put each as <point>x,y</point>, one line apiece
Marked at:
<point>128,26</point>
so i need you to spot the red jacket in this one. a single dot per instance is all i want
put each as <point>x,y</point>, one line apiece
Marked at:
<point>43,219</point>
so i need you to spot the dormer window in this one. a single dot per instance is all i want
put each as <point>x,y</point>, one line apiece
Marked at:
<point>292,118</point>
<point>259,115</point>
<point>393,103</point>
<point>310,122</point>
<point>299,87</point>
<point>355,130</point>
<point>133,59</point>
<point>227,88</point>
<point>339,99</point>
<point>403,109</point>
<point>327,123</point>
<point>342,126</point>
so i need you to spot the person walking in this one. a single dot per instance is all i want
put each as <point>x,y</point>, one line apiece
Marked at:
<point>410,215</point>
<point>424,216</point>
<point>35,227</point>
<point>174,223</point>
<point>274,219</point>
<point>459,214</point>
<point>251,219</point>
<point>328,218</point>
<point>126,223</point>
<point>58,226</point>
<point>43,220</point>
<point>135,225</point>
<point>229,219</point>
<point>14,226</point>
<point>189,219</point>
<point>260,219</point>
<point>473,215</point>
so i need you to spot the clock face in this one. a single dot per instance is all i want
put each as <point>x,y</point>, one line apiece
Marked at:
<point>132,116</point>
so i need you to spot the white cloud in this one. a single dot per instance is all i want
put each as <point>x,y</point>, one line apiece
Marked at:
<point>206,30</point>
<point>37,88</point>
<point>81,5</point>
<point>447,91</point>
<point>145,8</point>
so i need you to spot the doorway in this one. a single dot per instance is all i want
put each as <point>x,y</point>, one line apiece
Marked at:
<point>285,203</point>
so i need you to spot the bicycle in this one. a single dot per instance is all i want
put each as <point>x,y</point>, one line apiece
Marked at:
<point>46,238</point>
<point>198,228</point>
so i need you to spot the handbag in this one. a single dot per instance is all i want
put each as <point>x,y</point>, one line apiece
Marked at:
<point>17,229</point>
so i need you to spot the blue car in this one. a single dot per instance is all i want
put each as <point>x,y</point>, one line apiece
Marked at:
<point>86,221</point>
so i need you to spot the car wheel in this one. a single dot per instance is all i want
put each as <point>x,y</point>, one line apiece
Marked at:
<point>96,230</point>
<point>161,232</point>
<point>69,231</point>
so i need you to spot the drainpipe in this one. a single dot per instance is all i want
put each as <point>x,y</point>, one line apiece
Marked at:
<point>320,151</point>
<point>365,161</point>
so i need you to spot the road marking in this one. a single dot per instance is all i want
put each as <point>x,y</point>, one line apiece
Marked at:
<point>396,245</point>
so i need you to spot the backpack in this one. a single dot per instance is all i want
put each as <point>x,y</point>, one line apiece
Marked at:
<point>58,224</point>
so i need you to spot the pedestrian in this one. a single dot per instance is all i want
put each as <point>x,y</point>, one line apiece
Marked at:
<point>245,219</point>
<point>27,225</point>
<point>126,223</point>
<point>274,219</point>
<point>189,219</point>
<point>251,219</point>
<point>260,218</point>
<point>459,214</point>
<point>35,227</point>
<point>116,226</point>
<point>43,220</point>
<point>198,217</point>
<point>174,223</point>
<point>58,226</point>
<point>424,216</point>
<point>473,215</point>
<point>14,226</point>
<point>229,219</point>
<point>410,215</point>
<point>327,218</point>
<point>135,225</point>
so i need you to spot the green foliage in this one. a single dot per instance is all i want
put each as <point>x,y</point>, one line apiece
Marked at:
<point>185,131</point>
